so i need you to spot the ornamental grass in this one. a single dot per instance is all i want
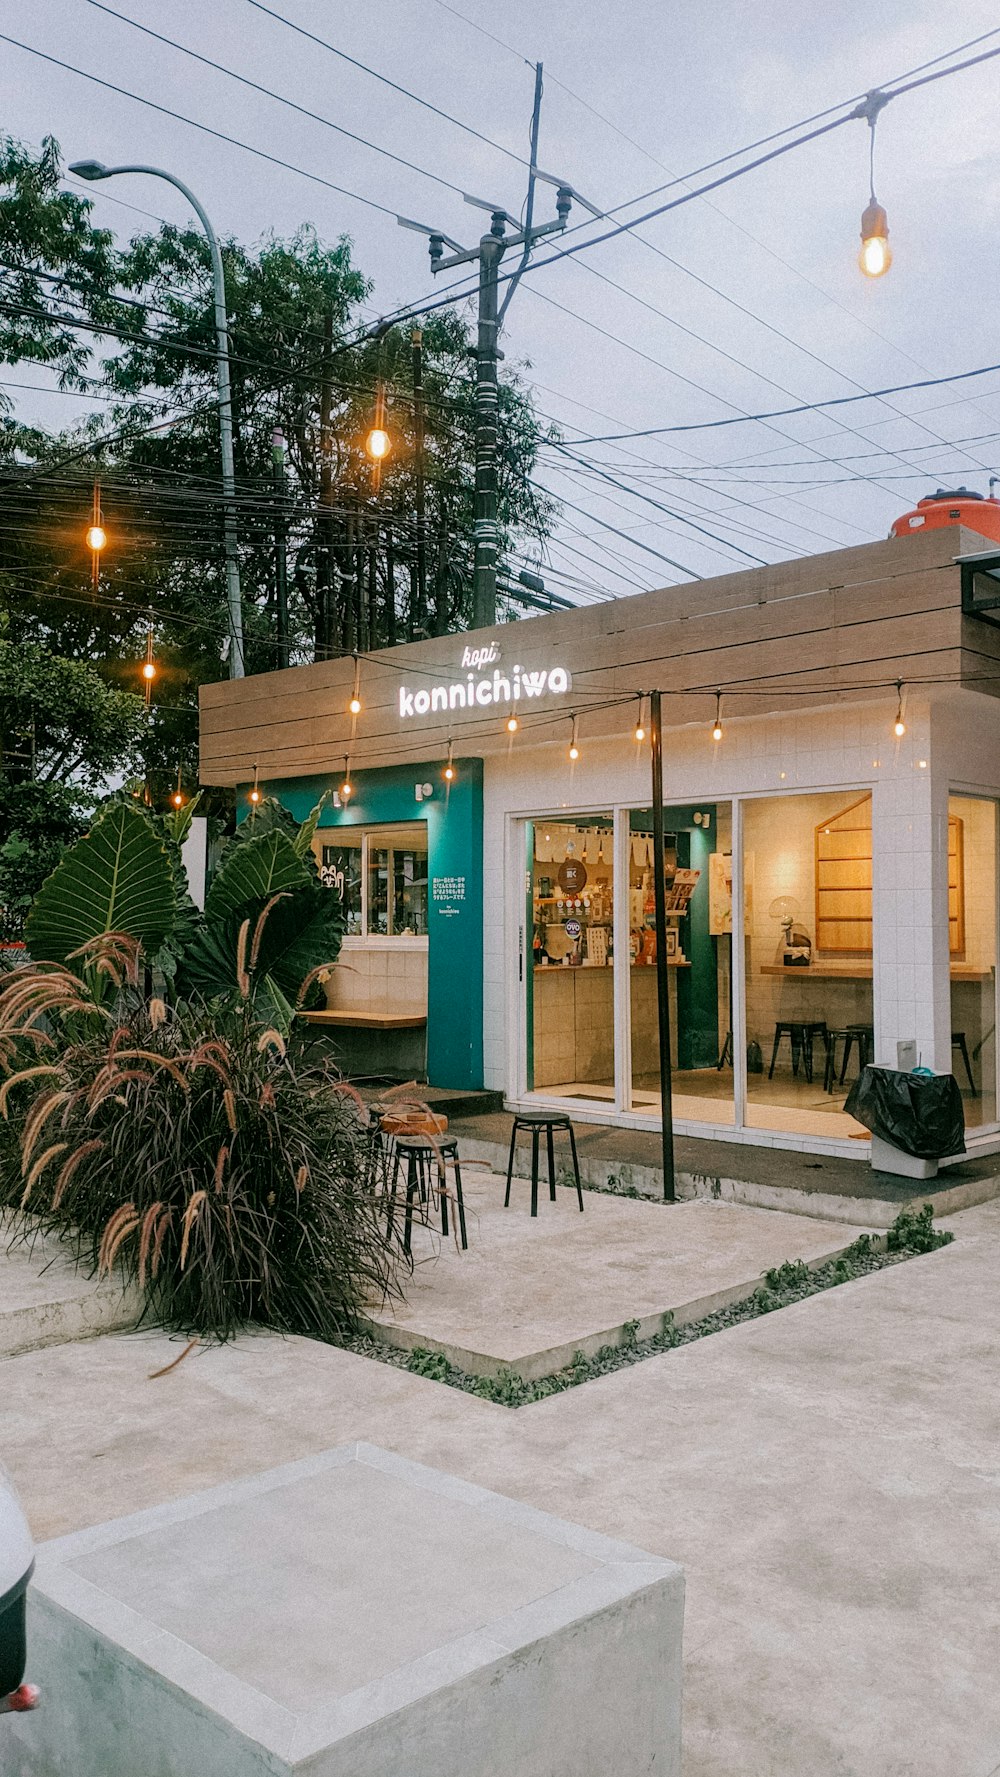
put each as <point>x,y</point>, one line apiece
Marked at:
<point>188,1152</point>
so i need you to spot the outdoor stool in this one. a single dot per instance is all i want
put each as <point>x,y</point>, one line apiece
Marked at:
<point>958,1042</point>
<point>859,1036</point>
<point>420,1154</point>
<point>534,1123</point>
<point>800,1035</point>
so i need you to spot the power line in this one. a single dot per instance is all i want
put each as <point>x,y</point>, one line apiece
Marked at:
<point>279,98</point>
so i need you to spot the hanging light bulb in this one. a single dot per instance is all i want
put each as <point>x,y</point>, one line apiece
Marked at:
<point>178,797</point>
<point>512,723</point>
<point>574,751</point>
<point>717,730</point>
<point>97,537</point>
<point>346,788</point>
<point>640,732</point>
<point>875,257</point>
<point>355,704</point>
<point>899,727</point>
<point>449,770</point>
<point>149,664</point>
<point>378,444</point>
<point>255,791</point>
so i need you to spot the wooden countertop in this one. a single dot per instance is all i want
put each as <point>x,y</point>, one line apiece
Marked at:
<point>674,962</point>
<point>363,1020</point>
<point>859,972</point>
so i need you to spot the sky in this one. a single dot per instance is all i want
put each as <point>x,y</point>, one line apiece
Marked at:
<point>738,303</point>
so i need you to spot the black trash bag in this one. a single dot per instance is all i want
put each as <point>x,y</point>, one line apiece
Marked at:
<point>920,1113</point>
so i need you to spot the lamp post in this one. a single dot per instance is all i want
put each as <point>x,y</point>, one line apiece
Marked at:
<point>94,170</point>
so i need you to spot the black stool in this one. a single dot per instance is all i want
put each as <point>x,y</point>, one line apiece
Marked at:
<point>958,1042</point>
<point>535,1123</point>
<point>800,1034</point>
<point>420,1155</point>
<point>853,1036</point>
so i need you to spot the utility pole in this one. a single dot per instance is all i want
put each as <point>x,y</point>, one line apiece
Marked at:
<point>489,253</point>
<point>325,566</point>
<point>417,361</point>
<point>280,543</point>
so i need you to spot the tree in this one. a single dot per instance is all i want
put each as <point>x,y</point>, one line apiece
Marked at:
<point>63,733</point>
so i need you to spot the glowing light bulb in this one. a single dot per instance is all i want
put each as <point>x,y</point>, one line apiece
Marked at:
<point>640,733</point>
<point>255,796</point>
<point>574,751</point>
<point>875,257</point>
<point>449,772</point>
<point>355,706</point>
<point>177,799</point>
<point>378,443</point>
<point>900,728</point>
<point>511,724</point>
<point>717,730</point>
<point>148,671</point>
<point>346,790</point>
<point>96,537</point>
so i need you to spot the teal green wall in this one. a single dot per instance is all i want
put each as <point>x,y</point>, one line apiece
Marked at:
<point>454,817</point>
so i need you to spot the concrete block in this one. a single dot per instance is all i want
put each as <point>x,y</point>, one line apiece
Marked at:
<point>351,1615</point>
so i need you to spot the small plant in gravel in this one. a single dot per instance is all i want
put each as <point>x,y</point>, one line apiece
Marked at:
<point>912,1233</point>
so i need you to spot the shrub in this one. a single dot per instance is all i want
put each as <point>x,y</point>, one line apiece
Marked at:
<point>190,1152</point>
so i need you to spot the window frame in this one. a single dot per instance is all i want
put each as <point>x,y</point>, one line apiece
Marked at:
<point>379,833</point>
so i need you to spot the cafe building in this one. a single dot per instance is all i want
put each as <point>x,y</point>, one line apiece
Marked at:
<point>831,768</point>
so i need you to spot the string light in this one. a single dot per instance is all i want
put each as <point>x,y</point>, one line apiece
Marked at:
<point>717,730</point>
<point>875,257</point>
<point>346,788</point>
<point>449,770</point>
<point>512,723</point>
<point>640,732</point>
<point>899,728</point>
<point>255,792</point>
<point>149,664</point>
<point>378,443</point>
<point>574,751</point>
<point>178,797</point>
<point>355,704</point>
<point>96,537</point>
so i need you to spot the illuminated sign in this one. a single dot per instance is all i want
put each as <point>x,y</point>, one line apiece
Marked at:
<point>479,692</point>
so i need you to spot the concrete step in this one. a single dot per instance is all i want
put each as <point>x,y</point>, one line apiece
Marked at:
<point>46,1300</point>
<point>826,1186</point>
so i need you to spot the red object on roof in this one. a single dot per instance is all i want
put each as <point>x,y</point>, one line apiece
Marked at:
<point>959,506</point>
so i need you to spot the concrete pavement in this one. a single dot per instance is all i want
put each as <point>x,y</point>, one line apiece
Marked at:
<point>827,1476</point>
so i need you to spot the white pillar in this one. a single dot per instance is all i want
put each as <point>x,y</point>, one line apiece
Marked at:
<point>912,989</point>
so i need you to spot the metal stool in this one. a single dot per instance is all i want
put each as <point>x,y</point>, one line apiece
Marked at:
<point>958,1042</point>
<point>534,1123</point>
<point>800,1034</point>
<point>861,1036</point>
<point>420,1155</point>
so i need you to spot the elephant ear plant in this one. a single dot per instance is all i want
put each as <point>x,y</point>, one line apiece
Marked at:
<point>181,1142</point>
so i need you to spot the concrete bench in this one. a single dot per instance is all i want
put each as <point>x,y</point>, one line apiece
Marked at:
<point>351,1615</point>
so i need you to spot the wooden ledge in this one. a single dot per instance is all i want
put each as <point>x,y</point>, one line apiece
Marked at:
<point>369,1020</point>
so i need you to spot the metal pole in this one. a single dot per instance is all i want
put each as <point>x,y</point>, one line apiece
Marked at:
<point>280,545</point>
<point>662,965</point>
<point>417,361</point>
<point>92,169</point>
<point>484,589</point>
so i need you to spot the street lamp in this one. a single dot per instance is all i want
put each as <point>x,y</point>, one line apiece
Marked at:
<point>94,170</point>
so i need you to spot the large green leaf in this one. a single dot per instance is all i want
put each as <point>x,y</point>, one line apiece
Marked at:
<point>301,932</point>
<point>117,878</point>
<point>307,832</point>
<point>252,872</point>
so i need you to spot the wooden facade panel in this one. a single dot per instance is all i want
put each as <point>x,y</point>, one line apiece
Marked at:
<point>823,625</point>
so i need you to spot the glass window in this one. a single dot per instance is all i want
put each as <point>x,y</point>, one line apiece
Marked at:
<point>380,874</point>
<point>972,927</point>
<point>570,980</point>
<point>807,905</point>
<point>698,871</point>
<point>340,870</point>
<point>397,882</point>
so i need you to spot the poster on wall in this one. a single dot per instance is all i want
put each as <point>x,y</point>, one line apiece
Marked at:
<point>720,892</point>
